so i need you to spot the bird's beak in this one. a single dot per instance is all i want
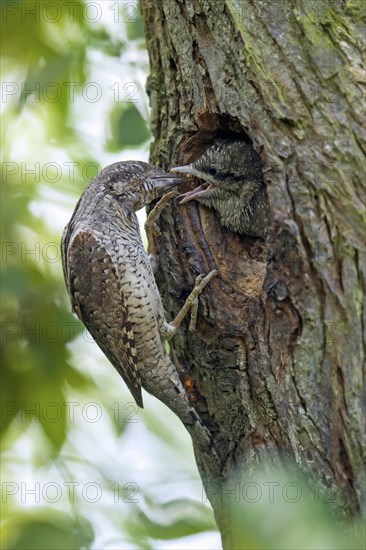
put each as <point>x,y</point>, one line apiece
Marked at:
<point>199,191</point>
<point>165,182</point>
<point>188,170</point>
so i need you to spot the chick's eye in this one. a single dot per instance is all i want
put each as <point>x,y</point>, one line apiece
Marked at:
<point>212,171</point>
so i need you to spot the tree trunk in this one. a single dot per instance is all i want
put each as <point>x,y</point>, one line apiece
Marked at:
<point>276,366</point>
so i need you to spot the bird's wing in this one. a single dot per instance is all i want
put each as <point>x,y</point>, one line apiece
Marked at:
<point>97,298</point>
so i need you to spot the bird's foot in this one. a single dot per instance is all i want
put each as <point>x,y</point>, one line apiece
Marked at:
<point>191,302</point>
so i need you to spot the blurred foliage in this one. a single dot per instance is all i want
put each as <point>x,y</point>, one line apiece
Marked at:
<point>50,52</point>
<point>182,517</point>
<point>35,313</point>
<point>45,530</point>
<point>128,128</point>
<point>286,510</point>
<point>39,41</point>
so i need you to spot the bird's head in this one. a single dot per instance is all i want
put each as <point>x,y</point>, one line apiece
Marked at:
<point>227,168</point>
<point>136,184</point>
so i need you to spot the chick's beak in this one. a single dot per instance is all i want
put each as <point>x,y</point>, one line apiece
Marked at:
<point>188,169</point>
<point>199,191</point>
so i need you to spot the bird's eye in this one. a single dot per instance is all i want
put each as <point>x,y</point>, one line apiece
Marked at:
<point>212,171</point>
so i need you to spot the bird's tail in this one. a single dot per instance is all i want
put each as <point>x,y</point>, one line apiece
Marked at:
<point>170,391</point>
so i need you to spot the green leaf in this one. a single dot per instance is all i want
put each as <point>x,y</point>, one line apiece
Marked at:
<point>47,530</point>
<point>172,520</point>
<point>128,128</point>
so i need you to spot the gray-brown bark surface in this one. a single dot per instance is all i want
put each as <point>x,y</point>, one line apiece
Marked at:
<point>276,367</point>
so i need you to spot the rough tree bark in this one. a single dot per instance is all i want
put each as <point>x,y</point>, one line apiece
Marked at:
<point>276,367</point>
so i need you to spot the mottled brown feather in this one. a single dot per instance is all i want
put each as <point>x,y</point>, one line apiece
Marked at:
<point>88,255</point>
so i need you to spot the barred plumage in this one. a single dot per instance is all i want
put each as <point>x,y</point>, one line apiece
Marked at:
<point>112,287</point>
